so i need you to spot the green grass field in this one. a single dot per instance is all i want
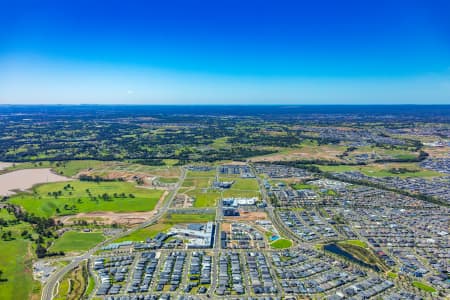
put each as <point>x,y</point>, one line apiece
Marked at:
<point>392,275</point>
<point>244,184</point>
<point>77,241</point>
<point>198,182</point>
<point>242,187</point>
<point>15,262</point>
<point>193,174</point>
<point>281,244</point>
<point>188,218</point>
<point>382,170</point>
<point>355,243</point>
<point>168,179</point>
<point>204,199</point>
<point>5,215</point>
<point>302,186</point>
<point>424,287</point>
<point>76,200</point>
<point>69,168</point>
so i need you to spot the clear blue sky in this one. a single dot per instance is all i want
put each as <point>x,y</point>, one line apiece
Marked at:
<point>219,52</point>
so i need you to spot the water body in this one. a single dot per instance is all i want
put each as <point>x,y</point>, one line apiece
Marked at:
<point>333,248</point>
<point>26,179</point>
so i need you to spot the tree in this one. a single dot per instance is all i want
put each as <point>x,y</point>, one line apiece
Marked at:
<point>1,276</point>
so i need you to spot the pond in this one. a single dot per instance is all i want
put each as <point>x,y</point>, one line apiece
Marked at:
<point>333,248</point>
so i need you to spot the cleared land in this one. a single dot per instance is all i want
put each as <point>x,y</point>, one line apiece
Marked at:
<point>384,170</point>
<point>108,217</point>
<point>60,199</point>
<point>77,241</point>
<point>306,151</point>
<point>26,179</point>
<point>4,165</point>
<point>249,216</point>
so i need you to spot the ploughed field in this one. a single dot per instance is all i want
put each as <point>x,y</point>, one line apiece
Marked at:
<point>66,198</point>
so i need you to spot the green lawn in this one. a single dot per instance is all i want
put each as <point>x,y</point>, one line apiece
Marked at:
<point>424,287</point>
<point>355,242</point>
<point>281,244</point>
<point>77,241</point>
<point>76,200</point>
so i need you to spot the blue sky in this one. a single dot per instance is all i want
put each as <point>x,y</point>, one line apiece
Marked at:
<point>225,52</point>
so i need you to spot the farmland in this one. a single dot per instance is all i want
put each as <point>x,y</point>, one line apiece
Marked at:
<point>66,199</point>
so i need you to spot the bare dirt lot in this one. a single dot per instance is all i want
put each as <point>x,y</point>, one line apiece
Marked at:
<point>4,165</point>
<point>109,218</point>
<point>25,179</point>
<point>303,153</point>
<point>249,216</point>
<point>226,227</point>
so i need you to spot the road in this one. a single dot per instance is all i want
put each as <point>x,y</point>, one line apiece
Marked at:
<point>49,287</point>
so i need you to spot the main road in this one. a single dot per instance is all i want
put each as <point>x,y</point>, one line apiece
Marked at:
<point>49,287</point>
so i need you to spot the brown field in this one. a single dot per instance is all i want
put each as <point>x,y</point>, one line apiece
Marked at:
<point>22,180</point>
<point>226,227</point>
<point>248,216</point>
<point>324,152</point>
<point>438,152</point>
<point>4,165</point>
<point>108,218</point>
